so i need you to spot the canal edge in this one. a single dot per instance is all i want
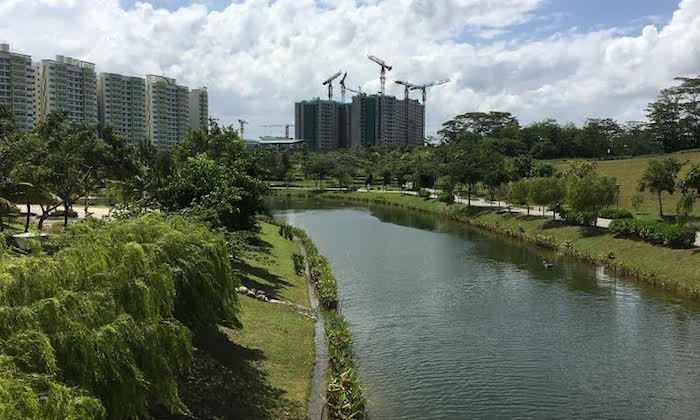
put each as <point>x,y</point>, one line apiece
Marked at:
<point>316,403</point>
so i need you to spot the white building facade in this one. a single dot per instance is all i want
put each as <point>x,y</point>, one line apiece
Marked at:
<point>167,111</point>
<point>17,86</point>
<point>67,85</point>
<point>121,103</point>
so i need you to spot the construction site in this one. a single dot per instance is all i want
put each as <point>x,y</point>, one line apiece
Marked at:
<point>366,120</point>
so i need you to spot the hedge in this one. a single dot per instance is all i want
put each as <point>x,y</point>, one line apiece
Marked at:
<point>654,232</point>
<point>610,213</point>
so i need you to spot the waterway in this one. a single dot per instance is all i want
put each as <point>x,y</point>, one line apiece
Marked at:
<point>451,322</point>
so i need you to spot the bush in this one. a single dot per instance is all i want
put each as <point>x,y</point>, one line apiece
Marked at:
<point>610,213</point>
<point>103,327</point>
<point>446,197</point>
<point>320,271</point>
<point>298,261</point>
<point>577,218</point>
<point>60,213</point>
<point>654,232</point>
<point>423,193</point>
<point>286,232</point>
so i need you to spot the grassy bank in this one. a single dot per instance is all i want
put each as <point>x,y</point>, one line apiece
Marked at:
<point>263,370</point>
<point>345,398</point>
<point>676,270</point>
<point>629,171</point>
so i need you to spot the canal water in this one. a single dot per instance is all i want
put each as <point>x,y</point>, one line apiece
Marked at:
<point>454,323</point>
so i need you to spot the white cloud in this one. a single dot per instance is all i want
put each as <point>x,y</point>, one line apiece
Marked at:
<point>257,57</point>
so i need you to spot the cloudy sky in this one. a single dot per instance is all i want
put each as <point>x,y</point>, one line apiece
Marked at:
<point>563,59</point>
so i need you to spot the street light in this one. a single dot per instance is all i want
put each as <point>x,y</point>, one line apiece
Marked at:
<point>617,211</point>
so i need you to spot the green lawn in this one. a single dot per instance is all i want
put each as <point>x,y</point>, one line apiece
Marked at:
<point>629,171</point>
<point>262,370</point>
<point>679,266</point>
<point>270,267</point>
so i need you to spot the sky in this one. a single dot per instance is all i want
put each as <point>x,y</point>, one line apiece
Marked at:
<point>538,59</point>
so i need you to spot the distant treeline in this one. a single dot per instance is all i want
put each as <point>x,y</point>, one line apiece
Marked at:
<point>673,124</point>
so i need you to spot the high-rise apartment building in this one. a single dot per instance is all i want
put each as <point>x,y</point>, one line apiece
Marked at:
<point>17,86</point>
<point>167,111</point>
<point>66,84</point>
<point>121,103</point>
<point>385,120</point>
<point>321,123</point>
<point>199,109</point>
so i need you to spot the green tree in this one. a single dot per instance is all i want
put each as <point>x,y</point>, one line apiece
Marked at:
<point>660,176</point>
<point>466,166</point>
<point>590,193</point>
<point>675,115</point>
<point>547,191</point>
<point>690,187</point>
<point>221,195</point>
<point>519,193</point>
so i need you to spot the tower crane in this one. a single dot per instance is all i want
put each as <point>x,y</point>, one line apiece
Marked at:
<point>342,87</point>
<point>407,86</point>
<point>382,72</point>
<point>242,125</point>
<point>286,128</point>
<point>422,88</point>
<point>358,91</point>
<point>329,82</point>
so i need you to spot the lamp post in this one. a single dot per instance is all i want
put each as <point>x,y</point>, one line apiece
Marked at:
<point>617,210</point>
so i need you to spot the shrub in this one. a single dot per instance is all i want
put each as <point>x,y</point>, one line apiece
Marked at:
<point>423,193</point>
<point>446,197</point>
<point>286,232</point>
<point>611,213</point>
<point>654,232</point>
<point>344,395</point>
<point>60,213</point>
<point>577,218</point>
<point>320,272</point>
<point>103,327</point>
<point>298,261</point>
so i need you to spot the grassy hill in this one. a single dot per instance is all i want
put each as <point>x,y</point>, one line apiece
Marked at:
<point>629,171</point>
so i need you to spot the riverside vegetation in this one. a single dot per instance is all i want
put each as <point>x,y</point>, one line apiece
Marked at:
<point>344,394</point>
<point>140,316</point>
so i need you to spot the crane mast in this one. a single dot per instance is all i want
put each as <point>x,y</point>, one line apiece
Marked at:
<point>342,87</point>
<point>242,129</point>
<point>384,67</point>
<point>329,83</point>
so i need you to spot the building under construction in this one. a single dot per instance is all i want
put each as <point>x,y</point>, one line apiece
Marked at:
<point>368,120</point>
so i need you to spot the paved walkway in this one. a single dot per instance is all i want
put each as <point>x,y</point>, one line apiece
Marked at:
<point>99,212</point>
